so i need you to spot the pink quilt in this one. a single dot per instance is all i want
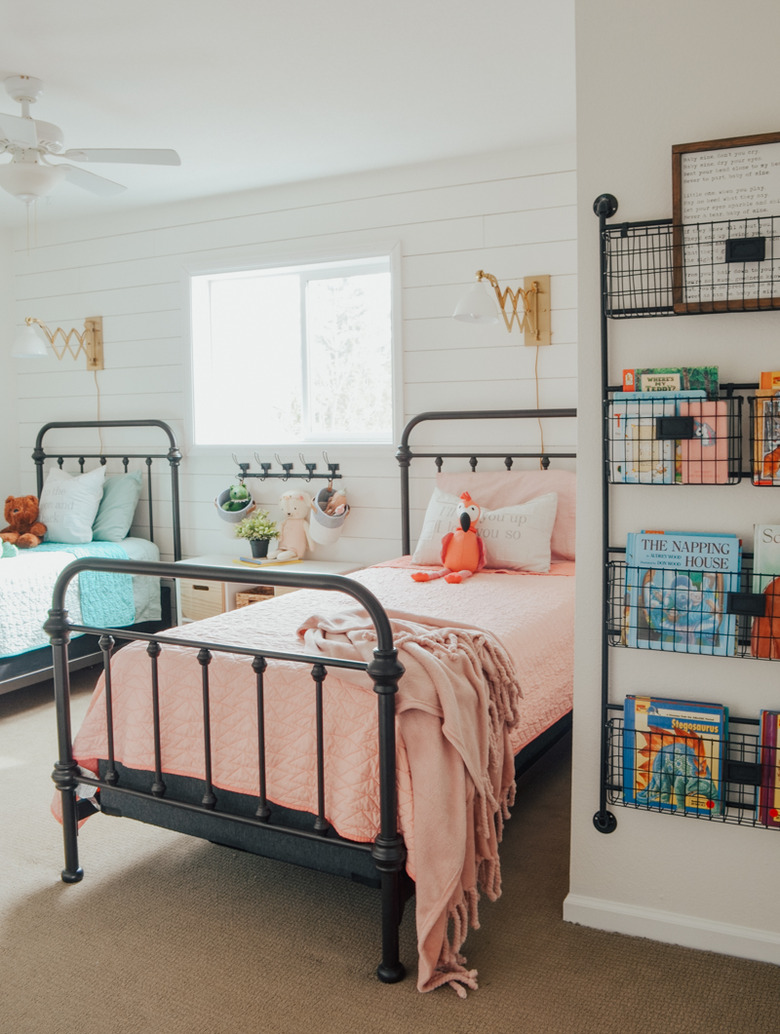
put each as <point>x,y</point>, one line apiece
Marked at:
<point>460,715</point>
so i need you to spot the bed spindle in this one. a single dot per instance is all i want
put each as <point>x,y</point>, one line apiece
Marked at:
<point>318,673</point>
<point>209,798</point>
<point>158,786</point>
<point>263,812</point>
<point>106,643</point>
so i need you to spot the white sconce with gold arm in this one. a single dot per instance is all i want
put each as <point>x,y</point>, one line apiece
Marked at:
<point>28,344</point>
<point>529,305</point>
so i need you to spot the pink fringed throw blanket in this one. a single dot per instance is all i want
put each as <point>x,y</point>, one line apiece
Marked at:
<point>457,703</point>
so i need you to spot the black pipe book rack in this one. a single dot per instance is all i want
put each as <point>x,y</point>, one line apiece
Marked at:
<point>656,268</point>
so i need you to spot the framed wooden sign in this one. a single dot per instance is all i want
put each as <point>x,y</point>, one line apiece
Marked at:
<point>726,224</point>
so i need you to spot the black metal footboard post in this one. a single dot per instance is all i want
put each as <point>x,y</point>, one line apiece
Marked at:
<point>388,852</point>
<point>65,774</point>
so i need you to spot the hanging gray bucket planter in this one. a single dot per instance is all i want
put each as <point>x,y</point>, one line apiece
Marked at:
<point>326,528</point>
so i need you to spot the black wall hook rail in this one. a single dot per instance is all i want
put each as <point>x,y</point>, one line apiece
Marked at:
<point>288,470</point>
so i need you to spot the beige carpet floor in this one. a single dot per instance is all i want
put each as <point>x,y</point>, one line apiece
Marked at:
<point>170,935</point>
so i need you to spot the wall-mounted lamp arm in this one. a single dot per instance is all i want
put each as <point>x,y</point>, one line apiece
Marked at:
<point>90,341</point>
<point>525,306</point>
<point>529,305</point>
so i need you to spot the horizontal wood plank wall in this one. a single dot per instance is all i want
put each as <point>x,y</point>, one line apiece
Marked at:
<point>512,214</point>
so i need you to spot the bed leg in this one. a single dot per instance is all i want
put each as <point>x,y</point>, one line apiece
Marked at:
<point>66,769</point>
<point>389,858</point>
<point>65,778</point>
<point>389,850</point>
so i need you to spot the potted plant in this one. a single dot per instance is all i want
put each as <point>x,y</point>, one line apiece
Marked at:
<point>259,529</point>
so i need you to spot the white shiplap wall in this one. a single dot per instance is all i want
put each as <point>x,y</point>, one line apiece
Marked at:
<point>511,213</point>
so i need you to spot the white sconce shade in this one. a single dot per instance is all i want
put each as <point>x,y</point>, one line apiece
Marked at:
<point>478,305</point>
<point>28,344</point>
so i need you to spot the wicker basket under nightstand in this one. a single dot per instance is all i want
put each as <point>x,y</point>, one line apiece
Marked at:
<point>255,595</point>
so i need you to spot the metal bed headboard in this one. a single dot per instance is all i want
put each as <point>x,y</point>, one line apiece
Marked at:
<point>405,455</point>
<point>173,456</point>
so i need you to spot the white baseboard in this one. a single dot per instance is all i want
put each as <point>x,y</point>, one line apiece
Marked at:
<point>672,928</point>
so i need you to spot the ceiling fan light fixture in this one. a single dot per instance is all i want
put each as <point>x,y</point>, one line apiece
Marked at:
<point>29,181</point>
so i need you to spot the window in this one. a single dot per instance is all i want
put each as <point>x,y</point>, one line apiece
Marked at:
<point>292,355</point>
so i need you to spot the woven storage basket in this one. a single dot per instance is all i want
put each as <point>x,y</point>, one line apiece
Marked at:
<point>255,595</point>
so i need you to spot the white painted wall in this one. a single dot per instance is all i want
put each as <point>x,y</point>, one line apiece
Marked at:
<point>512,214</point>
<point>9,479</point>
<point>650,76</point>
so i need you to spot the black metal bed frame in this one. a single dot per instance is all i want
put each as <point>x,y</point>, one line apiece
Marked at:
<point>36,665</point>
<point>254,824</point>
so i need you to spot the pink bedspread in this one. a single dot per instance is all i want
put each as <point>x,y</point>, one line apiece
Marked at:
<point>458,724</point>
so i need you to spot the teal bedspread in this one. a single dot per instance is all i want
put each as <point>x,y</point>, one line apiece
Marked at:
<point>106,598</point>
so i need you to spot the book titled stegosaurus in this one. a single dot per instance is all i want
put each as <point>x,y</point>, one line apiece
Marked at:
<point>673,754</point>
<point>677,585</point>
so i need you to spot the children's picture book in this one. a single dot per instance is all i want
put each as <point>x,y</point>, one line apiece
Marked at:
<point>766,554</point>
<point>765,632</point>
<point>265,561</point>
<point>768,799</point>
<point>673,378</point>
<point>677,585</point>
<point>673,754</point>
<point>637,454</point>
<point>769,379</point>
<point>704,458</point>
<point>766,437</point>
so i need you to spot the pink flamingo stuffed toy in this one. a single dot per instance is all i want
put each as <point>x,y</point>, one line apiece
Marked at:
<point>462,550</point>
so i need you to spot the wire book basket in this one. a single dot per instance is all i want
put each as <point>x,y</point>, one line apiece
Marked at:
<point>664,441</point>
<point>674,613</point>
<point>658,268</point>
<point>746,766</point>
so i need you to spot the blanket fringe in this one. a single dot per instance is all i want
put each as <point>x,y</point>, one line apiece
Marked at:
<point>451,967</point>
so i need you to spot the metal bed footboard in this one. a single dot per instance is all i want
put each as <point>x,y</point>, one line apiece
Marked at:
<point>387,852</point>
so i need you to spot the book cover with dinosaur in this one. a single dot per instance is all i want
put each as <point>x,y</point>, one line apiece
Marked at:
<point>673,754</point>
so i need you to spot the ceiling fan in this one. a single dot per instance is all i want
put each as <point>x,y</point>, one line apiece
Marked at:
<point>30,174</point>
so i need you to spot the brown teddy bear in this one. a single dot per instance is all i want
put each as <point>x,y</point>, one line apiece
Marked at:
<point>24,529</point>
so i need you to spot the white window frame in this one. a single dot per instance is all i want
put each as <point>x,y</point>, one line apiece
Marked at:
<point>330,260</point>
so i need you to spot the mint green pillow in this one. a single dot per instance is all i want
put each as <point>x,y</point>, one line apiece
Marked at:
<point>117,507</point>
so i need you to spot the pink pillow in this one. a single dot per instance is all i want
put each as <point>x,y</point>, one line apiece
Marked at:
<point>500,488</point>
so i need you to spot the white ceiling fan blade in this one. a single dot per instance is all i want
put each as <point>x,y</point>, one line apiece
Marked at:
<point>124,155</point>
<point>18,130</point>
<point>89,181</point>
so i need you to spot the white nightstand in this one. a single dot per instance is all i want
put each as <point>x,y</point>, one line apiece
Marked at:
<point>203,599</point>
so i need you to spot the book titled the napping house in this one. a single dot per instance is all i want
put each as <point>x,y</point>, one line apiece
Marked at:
<point>677,584</point>
<point>673,752</point>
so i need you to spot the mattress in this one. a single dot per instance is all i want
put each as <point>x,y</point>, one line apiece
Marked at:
<point>531,614</point>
